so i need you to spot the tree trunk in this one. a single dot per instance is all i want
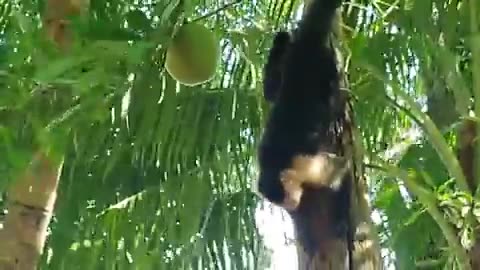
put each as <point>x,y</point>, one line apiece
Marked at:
<point>31,198</point>
<point>324,240</point>
<point>30,206</point>
<point>441,108</point>
<point>316,224</point>
<point>466,155</point>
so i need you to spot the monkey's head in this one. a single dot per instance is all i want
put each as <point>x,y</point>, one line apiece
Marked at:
<point>285,174</point>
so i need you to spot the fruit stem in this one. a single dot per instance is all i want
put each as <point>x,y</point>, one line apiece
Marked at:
<point>216,11</point>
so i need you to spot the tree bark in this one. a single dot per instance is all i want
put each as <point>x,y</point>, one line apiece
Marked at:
<point>30,206</point>
<point>466,155</point>
<point>325,241</point>
<point>441,108</point>
<point>31,199</point>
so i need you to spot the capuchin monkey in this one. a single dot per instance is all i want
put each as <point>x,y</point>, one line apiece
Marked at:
<point>302,81</point>
<point>272,74</point>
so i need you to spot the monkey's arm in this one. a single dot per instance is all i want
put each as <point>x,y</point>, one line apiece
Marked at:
<point>273,69</point>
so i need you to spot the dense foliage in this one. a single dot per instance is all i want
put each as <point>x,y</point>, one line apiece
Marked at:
<point>157,175</point>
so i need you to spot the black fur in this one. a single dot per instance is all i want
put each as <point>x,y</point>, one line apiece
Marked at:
<point>273,71</point>
<point>302,81</point>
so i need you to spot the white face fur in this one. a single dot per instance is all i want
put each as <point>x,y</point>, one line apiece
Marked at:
<point>321,170</point>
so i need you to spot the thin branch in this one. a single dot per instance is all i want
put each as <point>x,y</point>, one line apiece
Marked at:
<point>402,109</point>
<point>435,137</point>
<point>218,10</point>
<point>429,201</point>
<point>475,48</point>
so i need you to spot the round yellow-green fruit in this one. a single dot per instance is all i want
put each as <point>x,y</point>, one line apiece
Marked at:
<point>192,56</point>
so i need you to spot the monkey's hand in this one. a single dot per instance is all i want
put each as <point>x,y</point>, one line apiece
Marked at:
<point>293,190</point>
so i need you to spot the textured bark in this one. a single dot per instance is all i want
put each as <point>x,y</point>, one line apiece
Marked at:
<point>441,108</point>
<point>466,156</point>
<point>30,204</point>
<point>333,251</point>
<point>475,255</point>
<point>325,240</point>
<point>466,152</point>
